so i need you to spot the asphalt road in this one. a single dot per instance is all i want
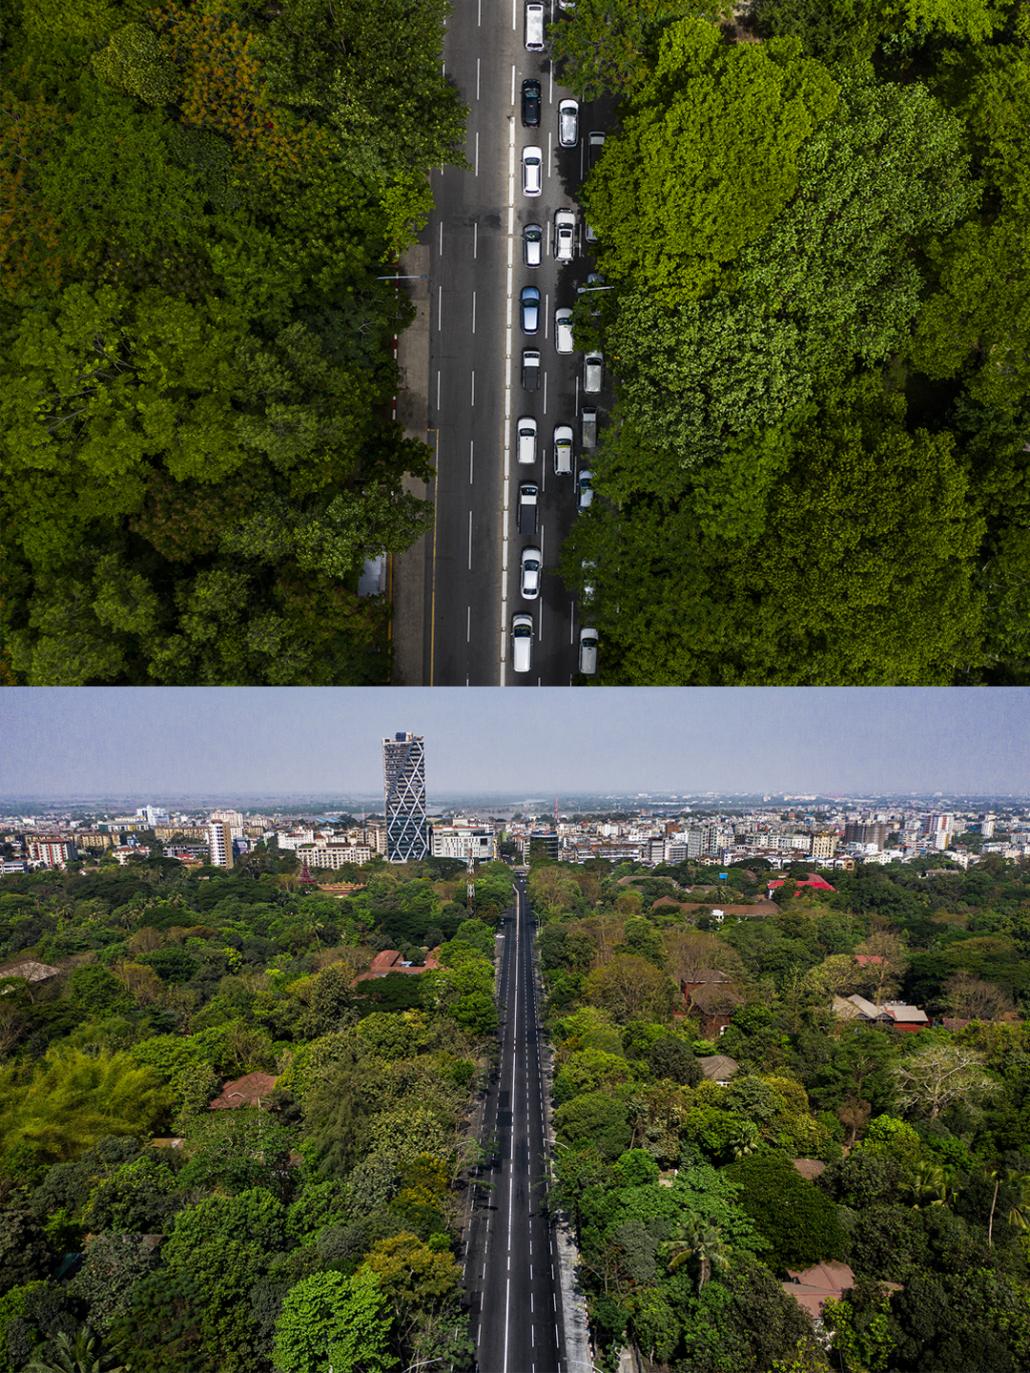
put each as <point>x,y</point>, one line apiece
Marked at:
<point>475,391</point>
<point>510,1260</point>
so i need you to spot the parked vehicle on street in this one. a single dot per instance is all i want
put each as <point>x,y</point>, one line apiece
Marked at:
<point>532,244</point>
<point>588,651</point>
<point>532,171</point>
<point>564,235</point>
<point>563,450</point>
<point>531,369</point>
<point>529,498</point>
<point>568,123</point>
<point>586,489</point>
<point>531,104</point>
<point>531,563</point>
<point>593,373</point>
<point>525,435</point>
<point>529,309</point>
<point>534,28</point>
<point>521,643</point>
<point>563,330</point>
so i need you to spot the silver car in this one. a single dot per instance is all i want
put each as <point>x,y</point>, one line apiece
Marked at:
<point>531,563</point>
<point>532,245</point>
<point>586,489</point>
<point>564,235</point>
<point>588,651</point>
<point>568,123</point>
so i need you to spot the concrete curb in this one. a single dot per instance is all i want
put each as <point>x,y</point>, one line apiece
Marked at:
<point>411,569</point>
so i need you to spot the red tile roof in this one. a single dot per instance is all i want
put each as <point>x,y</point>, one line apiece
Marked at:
<point>813,880</point>
<point>245,1091</point>
<point>389,961</point>
<point>813,1286</point>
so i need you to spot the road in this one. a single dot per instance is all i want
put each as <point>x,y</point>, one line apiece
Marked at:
<point>475,393</point>
<point>510,1261</point>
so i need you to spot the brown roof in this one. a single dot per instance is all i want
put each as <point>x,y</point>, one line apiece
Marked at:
<point>389,961</point>
<point>245,1091</point>
<point>718,1067</point>
<point>714,996</point>
<point>809,1168</point>
<point>703,976</point>
<point>813,1286</point>
<point>760,907</point>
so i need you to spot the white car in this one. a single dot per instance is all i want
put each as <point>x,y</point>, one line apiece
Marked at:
<point>563,450</point>
<point>531,564</point>
<point>563,330</point>
<point>588,651</point>
<point>586,489</point>
<point>532,244</point>
<point>525,432</point>
<point>564,235</point>
<point>593,373</point>
<point>568,123</point>
<point>532,170</point>
<point>521,642</point>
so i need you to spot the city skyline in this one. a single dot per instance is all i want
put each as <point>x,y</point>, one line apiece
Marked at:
<point>159,742</point>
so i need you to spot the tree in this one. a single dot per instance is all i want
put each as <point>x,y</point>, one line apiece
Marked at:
<point>937,1074</point>
<point>75,1355</point>
<point>702,1243</point>
<point>799,1221</point>
<point>330,1317</point>
<point>629,987</point>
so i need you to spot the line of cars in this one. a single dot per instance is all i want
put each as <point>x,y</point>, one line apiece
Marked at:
<point>564,243</point>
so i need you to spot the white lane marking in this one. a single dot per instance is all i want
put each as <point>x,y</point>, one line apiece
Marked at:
<point>545,397</point>
<point>513,83</point>
<point>475,250</point>
<point>477,97</point>
<point>470,540</point>
<point>479,13</point>
<point>477,153</point>
<point>576,411</point>
<point>468,624</point>
<point>438,392</point>
<point>550,154</point>
<point>503,675</point>
<point>572,640</point>
<point>547,315</point>
<point>514,4</point>
<point>439,308</point>
<point>550,84</point>
<point>471,453</point>
<point>473,312</point>
<point>440,250</point>
<point>473,391</point>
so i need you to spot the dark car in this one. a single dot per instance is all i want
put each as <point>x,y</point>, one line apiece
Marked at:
<point>531,104</point>
<point>531,369</point>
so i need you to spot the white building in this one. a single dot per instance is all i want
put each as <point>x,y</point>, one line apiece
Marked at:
<point>152,815</point>
<point>463,841</point>
<point>52,853</point>
<point>293,839</point>
<point>219,844</point>
<point>334,855</point>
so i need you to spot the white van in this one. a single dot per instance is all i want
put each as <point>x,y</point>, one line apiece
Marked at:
<point>563,450</point>
<point>588,652</point>
<point>525,431</point>
<point>534,28</point>
<point>593,370</point>
<point>563,330</point>
<point>521,642</point>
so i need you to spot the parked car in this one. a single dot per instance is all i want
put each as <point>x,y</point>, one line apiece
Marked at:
<point>568,123</point>
<point>532,244</point>
<point>534,27</point>
<point>563,450</point>
<point>563,330</point>
<point>586,489</point>
<point>564,235</point>
<point>531,104</point>
<point>532,171</point>
<point>531,369</point>
<point>531,563</point>
<point>529,309</point>
<point>525,438</point>
<point>588,651</point>
<point>588,427</point>
<point>529,499</point>
<point>593,373</point>
<point>595,145</point>
<point>521,642</point>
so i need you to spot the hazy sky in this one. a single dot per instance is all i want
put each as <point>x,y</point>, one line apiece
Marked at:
<point>261,740</point>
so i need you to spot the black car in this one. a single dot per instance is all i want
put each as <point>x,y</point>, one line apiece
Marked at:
<point>531,104</point>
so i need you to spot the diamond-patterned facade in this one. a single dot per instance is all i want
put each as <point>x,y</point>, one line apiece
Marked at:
<point>407,835</point>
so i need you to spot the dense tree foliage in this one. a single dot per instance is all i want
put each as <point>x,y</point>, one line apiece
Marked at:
<point>139,1227</point>
<point>196,200</point>
<point>903,1155</point>
<point>814,470</point>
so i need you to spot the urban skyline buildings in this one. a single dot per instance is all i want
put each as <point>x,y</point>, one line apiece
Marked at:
<point>404,774</point>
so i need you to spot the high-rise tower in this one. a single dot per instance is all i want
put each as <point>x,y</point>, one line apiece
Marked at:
<point>404,768</point>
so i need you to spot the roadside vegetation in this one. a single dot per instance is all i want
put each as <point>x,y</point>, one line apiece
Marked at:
<point>706,1151</point>
<point>317,1222</point>
<point>196,368</point>
<point>814,219</point>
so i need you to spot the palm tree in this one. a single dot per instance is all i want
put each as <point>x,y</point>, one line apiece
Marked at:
<point>78,1355</point>
<point>1018,1213</point>
<point>932,1185</point>
<point>702,1241</point>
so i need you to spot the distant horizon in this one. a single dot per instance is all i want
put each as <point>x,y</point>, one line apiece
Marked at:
<point>268,742</point>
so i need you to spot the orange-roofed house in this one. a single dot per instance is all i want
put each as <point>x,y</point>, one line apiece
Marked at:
<point>389,961</point>
<point>823,1282</point>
